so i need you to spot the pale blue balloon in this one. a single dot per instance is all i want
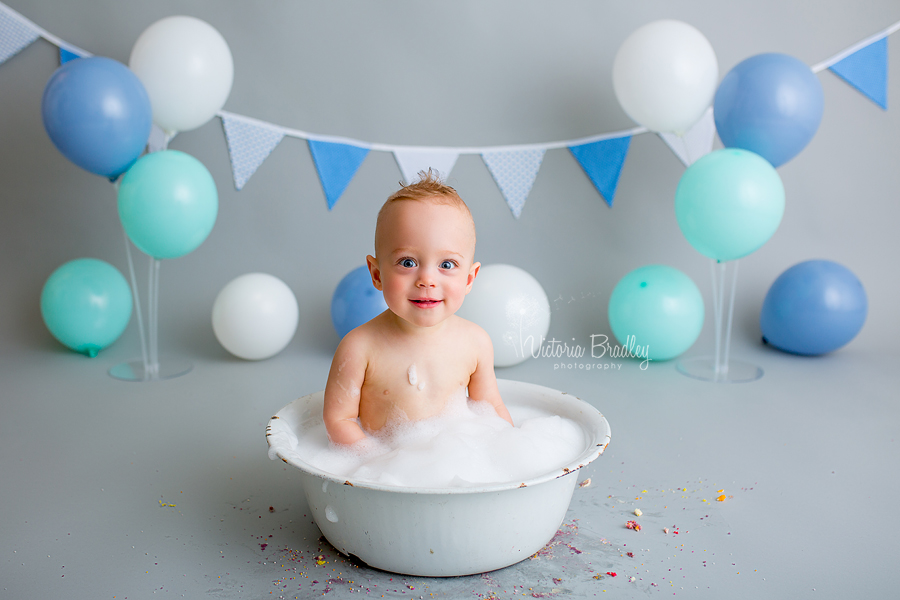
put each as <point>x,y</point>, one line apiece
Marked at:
<point>729,203</point>
<point>656,307</point>
<point>97,113</point>
<point>86,305</point>
<point>168,203</point>
<point>770,104</point>
<point>355,301</point>
<point>814,307</point>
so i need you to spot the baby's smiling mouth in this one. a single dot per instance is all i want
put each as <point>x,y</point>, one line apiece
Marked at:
<point>425,302</point>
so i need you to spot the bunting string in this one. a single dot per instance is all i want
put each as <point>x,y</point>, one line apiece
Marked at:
<point>825,64</point>
<point>514,168</point>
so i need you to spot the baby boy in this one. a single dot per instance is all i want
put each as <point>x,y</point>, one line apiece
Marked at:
<point>414,357</point>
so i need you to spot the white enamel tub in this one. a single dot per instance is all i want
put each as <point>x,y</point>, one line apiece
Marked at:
<point>448,531</point>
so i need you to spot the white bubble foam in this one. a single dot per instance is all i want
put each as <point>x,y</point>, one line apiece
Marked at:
<point>466,445</point>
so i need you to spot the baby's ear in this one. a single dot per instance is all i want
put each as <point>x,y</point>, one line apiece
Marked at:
<point>372,263</point>
<point>473,273</point>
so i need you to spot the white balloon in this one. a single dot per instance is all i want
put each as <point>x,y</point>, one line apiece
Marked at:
<point>255,316</point>
<point>187,69</point>
<point>512,307</point>
<point>665,75</point>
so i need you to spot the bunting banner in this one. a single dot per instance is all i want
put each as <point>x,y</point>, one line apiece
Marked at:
<point>514,168</point>
<point>159,140</point>
<point>514,173</point>
<point>336,164</point>
<point>866,70</point>
<point>249,144</point>
<point>602,162</point>
<point>16,33</point>
<point>413,161</point>
<point>864,65</point>
<point>697,142</point>
<point>67,55</point>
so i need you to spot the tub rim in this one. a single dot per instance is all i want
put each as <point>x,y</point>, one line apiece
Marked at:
<point>596,446</point>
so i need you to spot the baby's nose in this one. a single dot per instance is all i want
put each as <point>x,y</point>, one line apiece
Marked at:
<point>426,278</point>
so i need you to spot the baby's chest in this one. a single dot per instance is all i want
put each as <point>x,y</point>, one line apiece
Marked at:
<point>417,379</point>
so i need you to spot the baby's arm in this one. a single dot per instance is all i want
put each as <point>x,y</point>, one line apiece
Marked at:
<point>483,382</point>
<point>348,371</point>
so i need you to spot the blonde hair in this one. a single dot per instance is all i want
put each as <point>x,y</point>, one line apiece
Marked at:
<point>428,188</point>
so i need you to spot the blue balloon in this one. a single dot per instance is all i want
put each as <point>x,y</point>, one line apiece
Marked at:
<point>97,113</point>
<point>86,305</point>
<point>812,308</point>
<point>770,104</point>
<point>659,308</point>
<point>355,301</point>
<point>168,203</point>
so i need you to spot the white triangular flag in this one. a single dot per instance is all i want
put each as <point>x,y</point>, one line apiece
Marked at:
<point>249,144</point>
<point>697,142</point>
<point>159,139</point>
<point>411,162</point>
<point>16,33</point>
<point>514,172</point>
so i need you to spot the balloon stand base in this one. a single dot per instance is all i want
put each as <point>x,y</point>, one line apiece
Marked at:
<point>168,368</point>
<point>704,369</point>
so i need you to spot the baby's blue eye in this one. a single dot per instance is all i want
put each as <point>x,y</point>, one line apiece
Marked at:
<point>407,262</point>
<point>448,264</point>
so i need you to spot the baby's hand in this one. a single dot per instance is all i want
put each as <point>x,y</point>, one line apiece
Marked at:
<point>369,446</point>
<point>344,432</point>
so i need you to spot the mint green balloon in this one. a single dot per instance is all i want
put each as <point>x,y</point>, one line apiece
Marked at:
<point>86,305</point>
<point>658,308</point>
<point>168,203</point>
<point>729,203</point>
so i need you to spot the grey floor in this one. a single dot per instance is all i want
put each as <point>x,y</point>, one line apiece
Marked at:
<point>144,490</point>
<point>128,490</point>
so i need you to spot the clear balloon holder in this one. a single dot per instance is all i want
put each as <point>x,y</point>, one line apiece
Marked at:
<point>720,368</point>
<point>150,366</point>
<point>167,367</point>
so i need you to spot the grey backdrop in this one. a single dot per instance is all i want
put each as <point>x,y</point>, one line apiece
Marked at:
<point>464,73</point>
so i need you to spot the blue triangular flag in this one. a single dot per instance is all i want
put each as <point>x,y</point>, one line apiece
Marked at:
<point>16,33</point>
<point>336,164</point>
<point>866,70</point>
<point>602,161</point>
<point>66,55</point>
<point>514,173</point>
<point>249,144</point>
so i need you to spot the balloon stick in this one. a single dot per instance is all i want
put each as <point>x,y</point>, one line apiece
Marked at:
<point>717,319</point>
<point>153,316</point>
<point>134,292</point>
<point>720,364</point>
<point>730,315</point>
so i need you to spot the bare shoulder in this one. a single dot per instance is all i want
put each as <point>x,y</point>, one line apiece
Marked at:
<point>478,336</point>
<point>358,341</point>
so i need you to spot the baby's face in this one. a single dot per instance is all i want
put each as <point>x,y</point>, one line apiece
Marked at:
<point>424,263</point>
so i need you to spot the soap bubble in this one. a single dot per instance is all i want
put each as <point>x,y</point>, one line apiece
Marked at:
<point>467,445</point>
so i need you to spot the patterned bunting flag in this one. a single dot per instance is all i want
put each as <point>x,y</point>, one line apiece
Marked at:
<point>697,142</point>
<point>249,144</point>
<point>602,162</point>
<point>336,164</point>
<point>413,161</point>
<point>514,172</point>
<point>16,33</point>
<point>866,70</point>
